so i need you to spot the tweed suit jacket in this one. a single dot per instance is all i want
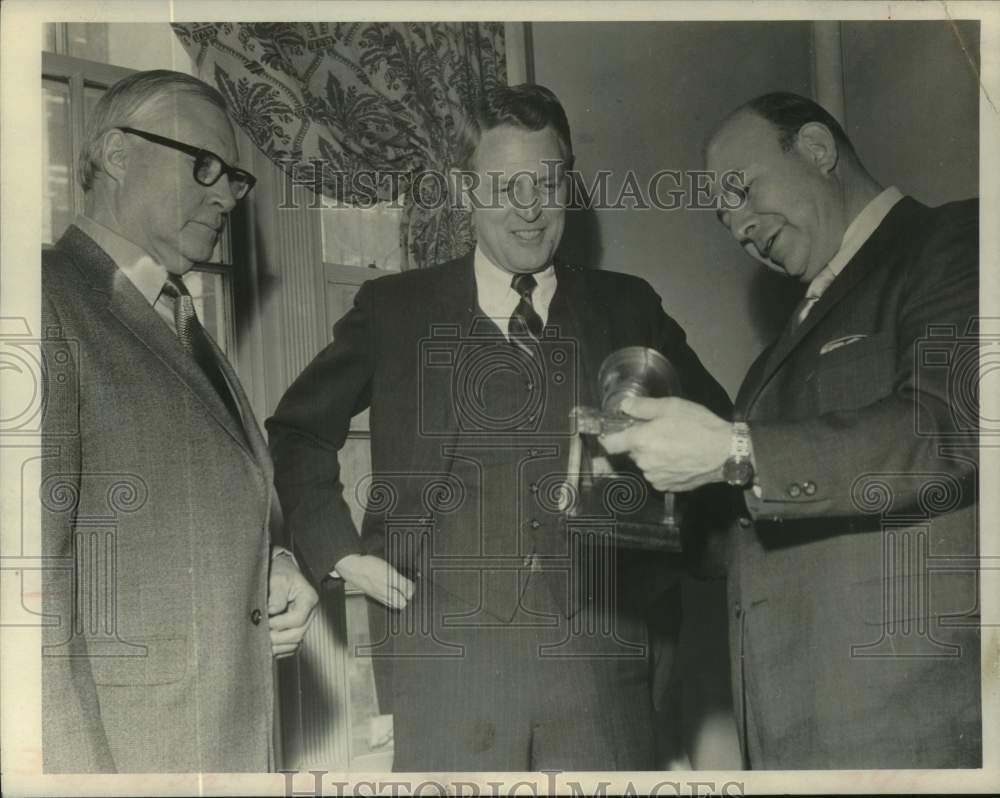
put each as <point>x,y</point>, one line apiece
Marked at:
<point>158,513</point>
<point>853,587</point>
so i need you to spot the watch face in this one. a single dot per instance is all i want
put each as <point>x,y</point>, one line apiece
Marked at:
<point>737,472</point>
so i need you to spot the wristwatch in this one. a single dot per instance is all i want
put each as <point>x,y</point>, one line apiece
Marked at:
<point>738,468</point>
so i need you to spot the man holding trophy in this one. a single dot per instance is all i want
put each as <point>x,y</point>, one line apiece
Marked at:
<point>854,618</point>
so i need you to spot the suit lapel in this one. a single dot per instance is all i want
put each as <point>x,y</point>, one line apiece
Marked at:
<point>254,437</point>
<point>872,253</point>
<point>127,305</point>
<point>445,322</point>
<point>591,335</point>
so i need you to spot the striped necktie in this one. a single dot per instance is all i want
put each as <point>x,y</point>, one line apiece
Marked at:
<point>525,326</point>
<point>194,340</point>
<point>815,290</point>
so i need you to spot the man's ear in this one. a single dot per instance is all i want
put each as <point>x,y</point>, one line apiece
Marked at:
<point>114,154</point>
<point>816,143</point>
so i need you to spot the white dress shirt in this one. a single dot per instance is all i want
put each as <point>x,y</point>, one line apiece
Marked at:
<point>142,270</point>
<point>498,300</point>
<point>857,233</point>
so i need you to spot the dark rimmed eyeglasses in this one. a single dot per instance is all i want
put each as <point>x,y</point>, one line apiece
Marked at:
<point>208,167</point>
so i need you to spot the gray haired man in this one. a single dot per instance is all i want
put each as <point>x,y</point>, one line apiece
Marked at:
<point>167,664</point>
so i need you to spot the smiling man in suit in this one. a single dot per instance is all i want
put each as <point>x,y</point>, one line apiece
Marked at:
<point>158,509</point>
<point>511,646</point>
<point>855,446</point>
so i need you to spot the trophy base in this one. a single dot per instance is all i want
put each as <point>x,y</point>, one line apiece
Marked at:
<point>639,519</point>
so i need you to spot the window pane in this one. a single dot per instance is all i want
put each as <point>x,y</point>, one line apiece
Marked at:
<point>208,291</point>
<point>366,237</point>
<point>50,37</point>
<point>57,190</point>
<point>88,40</point>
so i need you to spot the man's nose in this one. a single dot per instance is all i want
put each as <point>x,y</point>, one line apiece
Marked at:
<point>743,224</point>
<point>531,212</point>
<point>221,194</point>
<point>528,202</point>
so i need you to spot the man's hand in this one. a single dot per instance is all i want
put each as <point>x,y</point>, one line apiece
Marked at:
<point>681,446</point>
<point>290,603</point>
<point>376,578</point>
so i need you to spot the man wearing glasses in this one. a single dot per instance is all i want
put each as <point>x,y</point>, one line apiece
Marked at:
<point>167,592</point>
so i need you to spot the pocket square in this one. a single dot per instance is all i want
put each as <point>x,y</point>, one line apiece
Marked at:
<point>836,343</point>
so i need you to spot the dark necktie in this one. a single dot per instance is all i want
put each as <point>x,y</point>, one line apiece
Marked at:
<point>194,339</point>
<point>525,326</point>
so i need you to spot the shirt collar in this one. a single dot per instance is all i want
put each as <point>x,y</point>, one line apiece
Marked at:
<point>862,226</point>
<point>142,270</point>
<point>857,233</point>
<point>493,290</point>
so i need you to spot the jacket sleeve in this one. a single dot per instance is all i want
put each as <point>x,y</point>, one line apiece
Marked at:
<point>309,428</point>
<point>73,736</point>
<point>916,445</point>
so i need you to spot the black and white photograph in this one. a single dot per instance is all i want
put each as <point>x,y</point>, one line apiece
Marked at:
<point>498,398</point>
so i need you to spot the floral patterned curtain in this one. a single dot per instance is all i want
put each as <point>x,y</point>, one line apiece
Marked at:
<point>361,111</point>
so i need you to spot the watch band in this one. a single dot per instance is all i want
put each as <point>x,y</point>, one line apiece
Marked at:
<point>739,443</point>
<point>738,469</point>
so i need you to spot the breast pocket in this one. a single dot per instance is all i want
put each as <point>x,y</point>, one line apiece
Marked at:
<point>856,374</point>
<point>152,661</point>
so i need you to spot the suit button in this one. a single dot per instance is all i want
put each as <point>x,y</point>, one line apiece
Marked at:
<point>534,524</point>
<point>255,617</point>
<point>794,490</point>
<point>744,521</point>
<point>809,488</point>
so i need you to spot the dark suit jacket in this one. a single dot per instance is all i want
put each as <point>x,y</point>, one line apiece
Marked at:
<point>854,594</point>
<point>459,502</point>
<point>163,504</point>
<point>379,359</point>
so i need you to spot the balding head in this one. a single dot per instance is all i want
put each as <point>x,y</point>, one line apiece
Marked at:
<point>790,180</point>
